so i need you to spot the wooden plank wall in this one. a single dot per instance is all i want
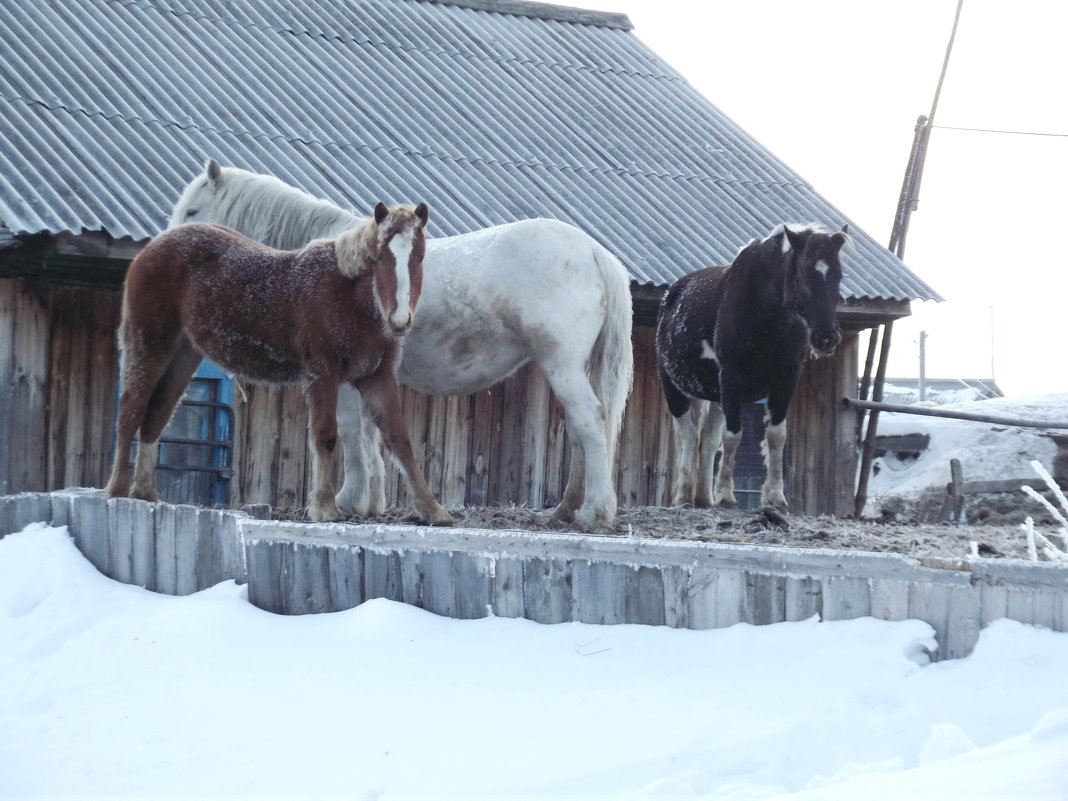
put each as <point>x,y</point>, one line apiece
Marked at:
<point>58,374</point>
<point>821,461</point>
<point>83,377</point>
<point>509,445</point>
<point>24,339</point>
<point>505,445</point>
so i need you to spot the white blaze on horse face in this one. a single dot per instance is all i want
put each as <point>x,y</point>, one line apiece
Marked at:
<point>401,248</point>
<point>822,267</point>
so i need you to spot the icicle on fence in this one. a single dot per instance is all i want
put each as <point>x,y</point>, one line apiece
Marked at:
<point>1034,537</point>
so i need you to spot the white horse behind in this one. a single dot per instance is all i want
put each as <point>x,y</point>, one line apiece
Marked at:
<point>535,290</point>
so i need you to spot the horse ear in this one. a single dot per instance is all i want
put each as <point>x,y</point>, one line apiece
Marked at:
<point>792,240</point>
<point>381,212</point>
<point>422,211</point>
<point>214,172</point>
<point>839,238</point>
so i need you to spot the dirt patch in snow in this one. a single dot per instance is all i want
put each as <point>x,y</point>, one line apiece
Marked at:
<point>1000,536</point>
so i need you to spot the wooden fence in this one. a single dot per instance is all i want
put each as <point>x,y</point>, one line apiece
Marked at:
<point>295,568</point>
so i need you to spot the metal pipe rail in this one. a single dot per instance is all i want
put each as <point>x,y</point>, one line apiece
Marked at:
<point>856,403</point>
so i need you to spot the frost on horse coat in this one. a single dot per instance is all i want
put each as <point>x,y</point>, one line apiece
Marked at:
<point>332,312</point>
<point>534,290</point>
<point>729,335</point>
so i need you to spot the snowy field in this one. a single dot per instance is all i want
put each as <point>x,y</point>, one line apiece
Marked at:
<point>986,451</point>
<point>110,691</point>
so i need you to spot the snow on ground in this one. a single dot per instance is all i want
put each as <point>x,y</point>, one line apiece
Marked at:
<point>986,451</point>
<point>113,691</point>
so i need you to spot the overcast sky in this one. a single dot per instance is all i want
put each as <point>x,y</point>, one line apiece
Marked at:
<point>834,87</point>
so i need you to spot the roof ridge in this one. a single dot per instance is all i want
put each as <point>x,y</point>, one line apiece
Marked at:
<point>553,12</point>
<point>548,11</point>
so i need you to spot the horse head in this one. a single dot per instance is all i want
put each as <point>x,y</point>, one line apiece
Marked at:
<point>391,245</point>
<point>197,201</point>
<point>812,281</point>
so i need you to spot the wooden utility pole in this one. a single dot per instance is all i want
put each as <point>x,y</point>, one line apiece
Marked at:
<point>908,202</point>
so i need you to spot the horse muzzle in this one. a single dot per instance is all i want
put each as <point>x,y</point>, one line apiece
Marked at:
<point>400,326</point>
<point>824,344</point>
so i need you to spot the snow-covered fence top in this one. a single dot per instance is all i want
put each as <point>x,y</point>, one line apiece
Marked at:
<point>296,568</point>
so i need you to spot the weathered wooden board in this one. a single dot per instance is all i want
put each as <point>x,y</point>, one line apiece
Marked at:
<point>24,348</point>
<point>295,568</point>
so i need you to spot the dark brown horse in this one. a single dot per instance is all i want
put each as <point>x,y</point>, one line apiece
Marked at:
<point>737,334</point>
<point>334,311</point>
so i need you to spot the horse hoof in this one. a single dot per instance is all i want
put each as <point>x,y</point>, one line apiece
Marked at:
<point>562,514</point>
<point>776,499</point>
<point>328,513</point>
<point>439,517</point>
<point>594,518</point>
<point>348,510</point>
<point>351,507</point>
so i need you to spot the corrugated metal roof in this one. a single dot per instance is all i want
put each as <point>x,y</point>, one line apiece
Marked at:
<point>108,107</point>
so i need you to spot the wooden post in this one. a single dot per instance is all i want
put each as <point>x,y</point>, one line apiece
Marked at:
<point>873,424</point>
<point>956,489</point>
<point>865,381</point>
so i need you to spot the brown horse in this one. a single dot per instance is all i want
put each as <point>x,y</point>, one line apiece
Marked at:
<point>334,311</point>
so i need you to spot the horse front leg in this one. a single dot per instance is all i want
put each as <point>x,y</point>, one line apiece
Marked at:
<point>322,430</point>
<point>773,493</point>
<point>382,396</point>
<point>363,491</point>
<point>731,404</point>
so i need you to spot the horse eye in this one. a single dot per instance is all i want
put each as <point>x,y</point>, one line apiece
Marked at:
<point>191,213</point>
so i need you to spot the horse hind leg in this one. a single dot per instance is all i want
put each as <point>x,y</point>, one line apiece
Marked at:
<point>161,405</point>
<point>575,490</point>
<point>152,386</point>
<point>363,491</point>
<point>711,428</point>
<point>590,478</point>
<point>684,428</point>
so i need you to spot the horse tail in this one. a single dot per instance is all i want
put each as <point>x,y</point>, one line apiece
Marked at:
<point>612,360</point>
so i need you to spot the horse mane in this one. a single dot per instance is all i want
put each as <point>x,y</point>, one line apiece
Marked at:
<point>356,248</point>
<point>278,215</point>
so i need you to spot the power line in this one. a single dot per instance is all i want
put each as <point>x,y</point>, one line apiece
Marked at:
<point>999,131</point>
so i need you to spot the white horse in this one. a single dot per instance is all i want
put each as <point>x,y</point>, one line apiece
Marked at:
<point>492,300</point>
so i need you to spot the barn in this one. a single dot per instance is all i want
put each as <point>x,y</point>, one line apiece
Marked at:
<point>489,110</point>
